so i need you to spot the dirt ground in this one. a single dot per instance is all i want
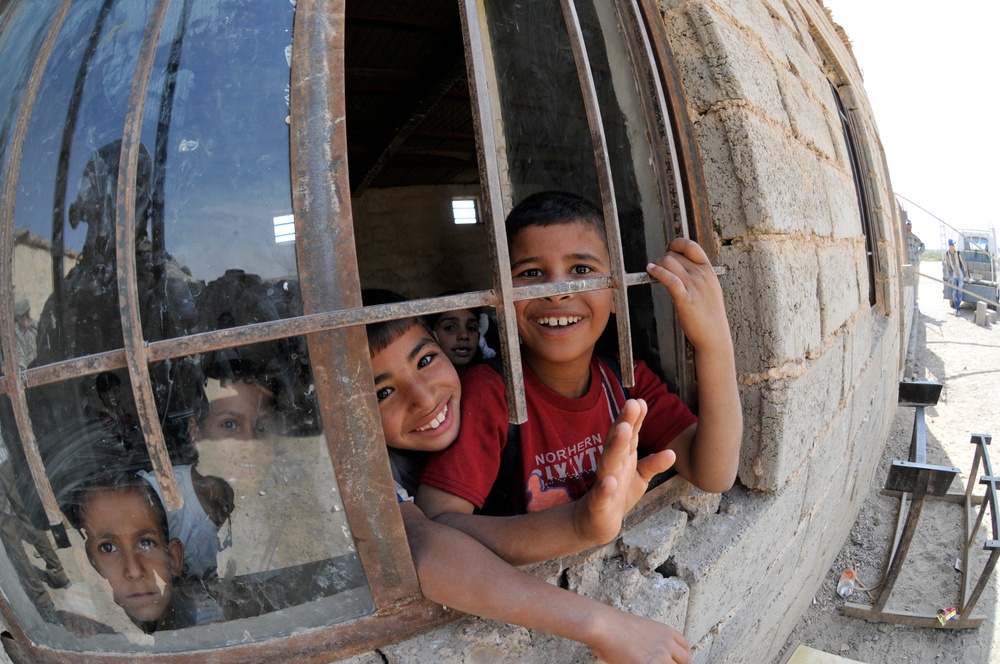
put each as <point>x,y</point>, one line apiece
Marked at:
<point>966,358</point>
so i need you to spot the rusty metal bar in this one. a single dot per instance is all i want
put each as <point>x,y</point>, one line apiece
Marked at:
<point>328,269</point>
<point>128,290</point>
<point>684,154</point>
<point>8,342</point>
<point>606,182</point>
<point>657,114</point>
<point>166,349</point>
<point>312,646</point>
<point>472,13</point>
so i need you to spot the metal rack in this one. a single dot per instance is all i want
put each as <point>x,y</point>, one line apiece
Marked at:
<point>913,481</point>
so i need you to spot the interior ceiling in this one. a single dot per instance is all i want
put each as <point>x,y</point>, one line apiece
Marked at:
<point>409,119</point>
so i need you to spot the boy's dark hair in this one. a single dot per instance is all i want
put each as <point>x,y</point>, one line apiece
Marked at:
<point>380,335</point>
<point>116,480</point>
<point>550,208</point>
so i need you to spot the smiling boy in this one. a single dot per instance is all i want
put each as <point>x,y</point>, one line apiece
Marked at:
<point>419,396</point>
<point>573,396</point>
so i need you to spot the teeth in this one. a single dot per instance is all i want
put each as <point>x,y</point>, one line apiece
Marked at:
<point>561,321</point>
<point>436,422</point>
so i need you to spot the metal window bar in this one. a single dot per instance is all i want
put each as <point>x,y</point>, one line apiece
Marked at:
<point>204,342</point>
<point>136,353</point>
<point>472,13</point>
<point>329,281</point>
<point>8,343</point>
<point>607,185</point>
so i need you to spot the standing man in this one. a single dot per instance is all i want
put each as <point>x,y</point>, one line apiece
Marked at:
<point>26,331</point>
<point>954,273</point>
<point>914,247</point>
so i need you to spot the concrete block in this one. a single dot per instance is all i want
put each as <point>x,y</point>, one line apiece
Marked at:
<point>699,504</point>
<point>781,324</point>
<point>627,588</point>
<point>648,544</point>
<point>838,286</point>
<point>723,557</point>
<point>725,189</point>
<point>981,314</point>
<point>782,187</point>
<point>842,195</point>
<point>794,412</point>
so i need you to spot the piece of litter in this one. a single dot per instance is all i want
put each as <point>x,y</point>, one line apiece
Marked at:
<point>845,647</point>
<point>261,493</point>
<point>944,615</point>
<point>958,564</point>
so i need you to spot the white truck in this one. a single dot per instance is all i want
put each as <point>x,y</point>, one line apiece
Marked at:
<point>979,249</point>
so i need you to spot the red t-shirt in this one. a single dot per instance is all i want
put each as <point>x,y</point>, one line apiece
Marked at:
<point>560,442</point>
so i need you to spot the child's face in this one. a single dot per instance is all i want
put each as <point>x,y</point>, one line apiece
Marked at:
<point>564,328</point>
<point>233,436</point>
<point>458,334</point>
<point>237,410</point>
<point>418,393</point>
<point>125,544</point>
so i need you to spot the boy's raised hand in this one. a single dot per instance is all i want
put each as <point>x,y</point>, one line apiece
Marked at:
<point>621,477</point>
<point>695,289</point>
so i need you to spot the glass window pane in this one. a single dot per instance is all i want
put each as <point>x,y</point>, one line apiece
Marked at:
<point>545,127</point>
<point>262,528</point>
<point>265,538</point>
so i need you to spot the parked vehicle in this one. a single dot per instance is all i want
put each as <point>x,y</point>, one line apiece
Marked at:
<point>979,249</point>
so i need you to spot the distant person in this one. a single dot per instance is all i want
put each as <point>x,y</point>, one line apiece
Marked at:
<point>955,271</point>
<point>26,331</point>
<point>461,335</point>
<point>914,247</point>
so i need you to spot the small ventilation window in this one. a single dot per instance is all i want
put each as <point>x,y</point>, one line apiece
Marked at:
<point>463,211</point>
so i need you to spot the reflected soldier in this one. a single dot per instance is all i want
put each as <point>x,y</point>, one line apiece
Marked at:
<point>26,332</point>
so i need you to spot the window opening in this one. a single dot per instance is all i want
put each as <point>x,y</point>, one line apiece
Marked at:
<point>862,190</point>
<point>201,314</point>
<point>464,211</point>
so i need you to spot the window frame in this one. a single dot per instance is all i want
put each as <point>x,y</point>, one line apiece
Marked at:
<point>333,316</point>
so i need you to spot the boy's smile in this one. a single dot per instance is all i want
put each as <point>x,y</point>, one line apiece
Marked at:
<point>418,393</point>
<point>560,332</point>
<point>126,546</point>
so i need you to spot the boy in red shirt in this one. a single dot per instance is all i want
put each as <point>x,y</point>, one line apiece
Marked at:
<point>419,397</point>
<point>573,397</point>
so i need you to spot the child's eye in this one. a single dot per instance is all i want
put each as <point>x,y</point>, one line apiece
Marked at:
<point>146,544</point>
<point>425,360</point>
<point>472,328</point>
<point>581,269</point>
<point>449,328</point>
<point>106,547</point>
<point>383,393</point>
<point>229,424</point>
<point>530,273</point>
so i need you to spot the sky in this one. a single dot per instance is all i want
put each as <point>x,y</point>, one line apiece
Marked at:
<point>932,75</point>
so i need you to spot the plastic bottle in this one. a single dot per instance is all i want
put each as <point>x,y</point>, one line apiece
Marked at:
<point>848,582</point>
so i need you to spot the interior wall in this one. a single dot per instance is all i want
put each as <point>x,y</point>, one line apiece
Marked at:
<point>408,242</point>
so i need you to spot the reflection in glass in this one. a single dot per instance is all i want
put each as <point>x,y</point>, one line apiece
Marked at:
<point>262,533</point>
<point>544,120</point>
